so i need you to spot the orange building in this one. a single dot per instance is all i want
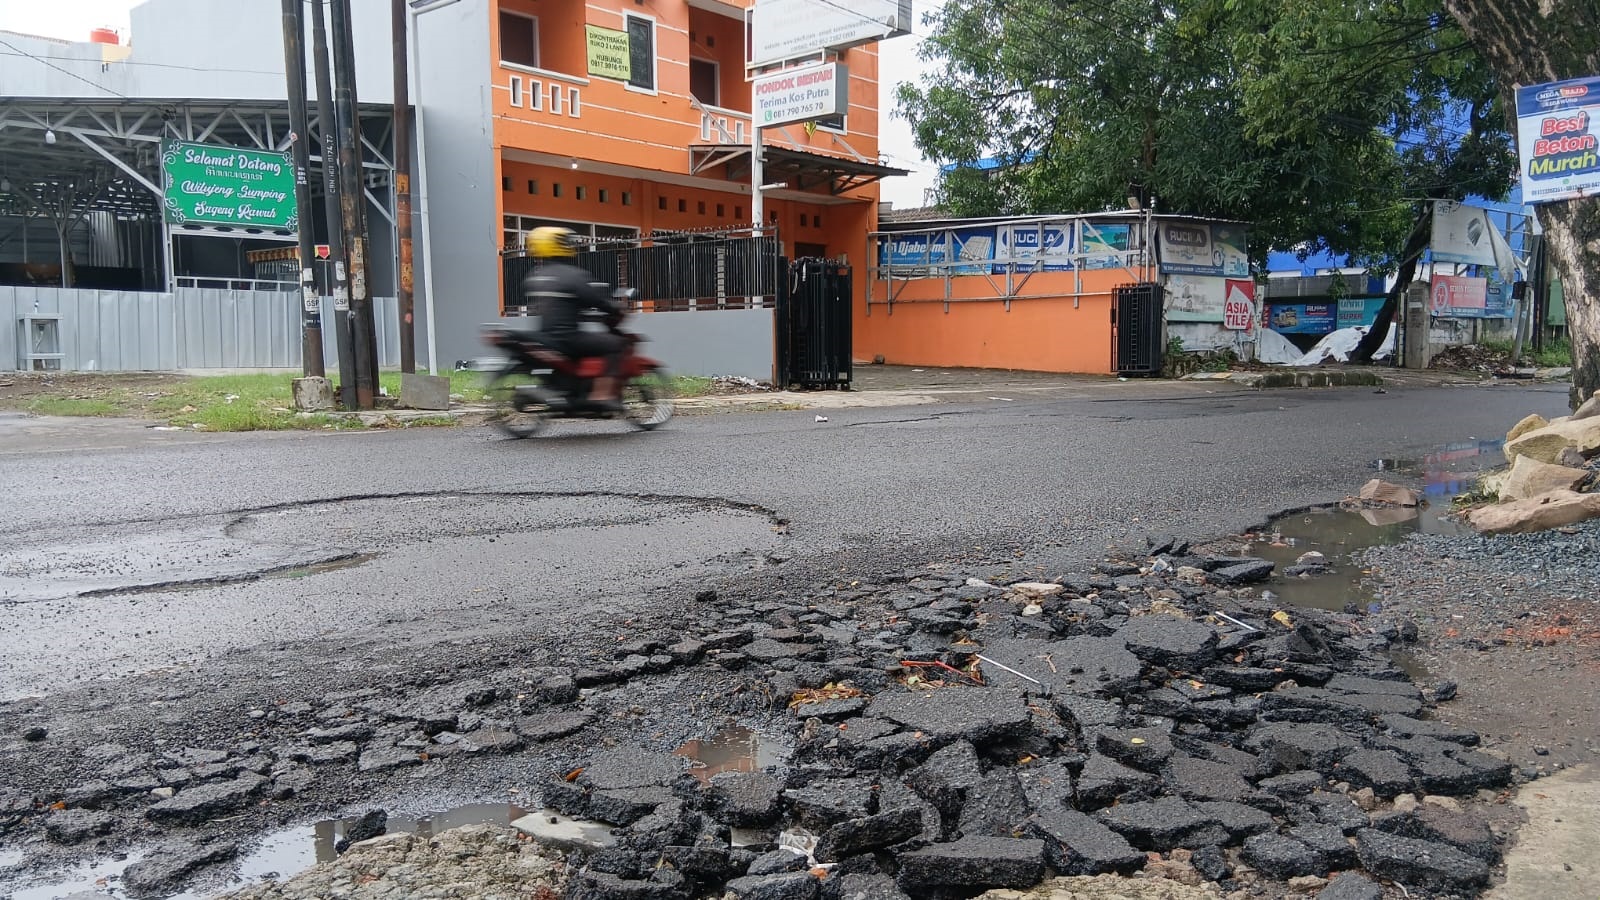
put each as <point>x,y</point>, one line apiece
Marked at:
<point>624,119</point>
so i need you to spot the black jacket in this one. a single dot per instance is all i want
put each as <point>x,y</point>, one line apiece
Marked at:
<point>560,293</point>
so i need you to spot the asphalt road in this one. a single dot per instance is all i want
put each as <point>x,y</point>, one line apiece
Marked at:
<point>122,544</point>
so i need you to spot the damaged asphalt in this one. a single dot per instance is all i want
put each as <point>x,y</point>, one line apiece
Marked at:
<point>498,622</point>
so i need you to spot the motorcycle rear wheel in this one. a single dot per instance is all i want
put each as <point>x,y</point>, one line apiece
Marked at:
<point>515,413</point>
<point>647,399</point>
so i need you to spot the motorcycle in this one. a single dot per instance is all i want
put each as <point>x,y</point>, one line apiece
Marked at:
<point>535,383</point>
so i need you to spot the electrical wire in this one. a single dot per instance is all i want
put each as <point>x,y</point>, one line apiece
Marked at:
<point>68,72</point>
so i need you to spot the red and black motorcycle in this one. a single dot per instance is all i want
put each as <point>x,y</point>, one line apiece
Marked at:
<point>536,383</point>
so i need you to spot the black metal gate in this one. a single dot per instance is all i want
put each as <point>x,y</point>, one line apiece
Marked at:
<point>676,271</point>
<point>1136,330</point>
<point>813,325</point>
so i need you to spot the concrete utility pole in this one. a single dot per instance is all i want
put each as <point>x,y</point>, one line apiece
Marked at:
<point>330,168</point>
<point>402,188</point>
<point>294,59</point>
<point>352,205</point>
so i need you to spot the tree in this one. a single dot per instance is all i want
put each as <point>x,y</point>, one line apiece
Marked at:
<point>1317,121</point>
<point>1532,42</point>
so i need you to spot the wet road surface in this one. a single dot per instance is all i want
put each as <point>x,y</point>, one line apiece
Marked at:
<point>128,550</point>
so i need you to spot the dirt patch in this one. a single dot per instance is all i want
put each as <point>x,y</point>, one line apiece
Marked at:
<point>125,391</point>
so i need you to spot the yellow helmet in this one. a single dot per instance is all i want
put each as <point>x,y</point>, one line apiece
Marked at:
<point>550,241</point>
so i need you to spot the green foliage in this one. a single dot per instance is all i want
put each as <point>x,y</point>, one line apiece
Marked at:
<point>1556,353</point>
<point>75,406</point>
<point>1315,120</point>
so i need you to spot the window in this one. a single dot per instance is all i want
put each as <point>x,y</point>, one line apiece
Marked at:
<point>720,209</point>
<point>701,208</point>
<point>519,39</point>
<point>738,212</point>
<point>555,189</point>
<point>703,81</point>
<point>605,195</point>
<point>832,123</point>
<point>661,204</point>
<point>583,192</point>
<point>533,185</point>
<point>642,52</point>
<point>683,205</point>
<point>627,199</point>
<point>505,184</point>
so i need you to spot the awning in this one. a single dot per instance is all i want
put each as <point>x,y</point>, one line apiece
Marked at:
<point>802,170</point>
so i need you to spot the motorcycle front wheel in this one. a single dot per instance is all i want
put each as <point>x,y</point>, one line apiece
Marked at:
<point>647,399</point>
<point>517,413</point>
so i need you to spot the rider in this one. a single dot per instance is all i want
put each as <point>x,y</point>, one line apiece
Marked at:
<point>560,294</point>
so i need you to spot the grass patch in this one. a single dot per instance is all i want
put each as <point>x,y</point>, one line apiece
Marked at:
<point>691,385</point>
<point>1556,353</point>
<point>75,406</point>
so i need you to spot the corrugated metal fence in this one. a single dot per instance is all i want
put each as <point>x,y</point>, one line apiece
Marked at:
<point>191,328</point>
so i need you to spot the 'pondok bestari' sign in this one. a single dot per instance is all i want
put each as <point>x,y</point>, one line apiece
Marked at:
<point>204,184</point>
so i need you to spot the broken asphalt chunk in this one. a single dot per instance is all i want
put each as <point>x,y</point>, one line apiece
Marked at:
<point>956,713</point>
<point>974,862</point>
<point>1077,844</point>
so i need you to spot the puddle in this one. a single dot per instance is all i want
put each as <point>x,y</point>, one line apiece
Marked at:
<point>1341,535</point>
<point>280,855</point>
<point>729,750</point>
<point>9,858</point>
<point>97,879</point>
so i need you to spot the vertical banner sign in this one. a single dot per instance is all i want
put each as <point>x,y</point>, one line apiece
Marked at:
<point>608,53</point>
<point>1557,139</point>
<point>1239,305</point>
<point>204,184</point>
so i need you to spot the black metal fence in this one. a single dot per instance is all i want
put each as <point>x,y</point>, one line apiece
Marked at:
<point>1136,329</point>
<point>814,326</point>
<point>677,271</point>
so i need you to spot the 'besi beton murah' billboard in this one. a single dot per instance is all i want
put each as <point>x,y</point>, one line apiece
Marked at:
<point>1556,140</point>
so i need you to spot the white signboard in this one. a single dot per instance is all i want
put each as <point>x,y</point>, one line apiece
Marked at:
<point>783,30</point>
<point>1464,234</point>
<point>1559,139</point>
<point>800,95</point>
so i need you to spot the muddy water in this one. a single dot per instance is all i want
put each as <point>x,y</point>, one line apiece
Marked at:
<point>729,750</point>
<point>1341,534</point>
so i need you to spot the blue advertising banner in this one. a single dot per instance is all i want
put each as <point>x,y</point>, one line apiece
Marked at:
<point>1303,318</point>
<point>1020,245</point>
<point>972,245</point>
<point>913,255</point>
<point>1358,312</point>
<point>1105,246</point>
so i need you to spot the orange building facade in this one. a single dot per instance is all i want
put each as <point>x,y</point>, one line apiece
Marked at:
<point>656,136</point>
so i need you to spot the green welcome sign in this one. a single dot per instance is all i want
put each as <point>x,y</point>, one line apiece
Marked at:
<point>205,184</point>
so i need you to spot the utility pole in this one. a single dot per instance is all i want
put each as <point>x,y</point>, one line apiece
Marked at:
<point>352,205</point>
<point>402,188</point>
<point>294,59</point>
<point>331,190</point>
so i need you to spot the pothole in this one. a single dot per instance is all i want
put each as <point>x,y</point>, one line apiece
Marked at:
<point>735,749</point>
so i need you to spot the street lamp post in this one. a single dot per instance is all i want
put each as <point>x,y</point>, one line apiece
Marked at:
<point>417,8</point>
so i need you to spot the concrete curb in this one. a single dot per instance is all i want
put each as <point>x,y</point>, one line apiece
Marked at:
<point>1294,378</point>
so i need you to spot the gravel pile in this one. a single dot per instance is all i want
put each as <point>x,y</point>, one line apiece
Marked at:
<point>948,736</point>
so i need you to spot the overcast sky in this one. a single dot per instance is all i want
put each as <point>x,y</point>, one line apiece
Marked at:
<point>74,19</point>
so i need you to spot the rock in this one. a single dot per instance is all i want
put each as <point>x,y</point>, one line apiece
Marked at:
<point>745,799</point>
<point>864,835</point>
<point>996,807</point>
<point>625,806</point>
<point>1417,862</point>
<point>1142,748</point>
<point>1076,844</point>
<point>1530,478</point>
<point>35,733</point>
<point>1339,811</point>
<point>1379,491</point>
<point>1279,857</point>
<point>1533,422</point>
<point>1542,513</point>
<point>1365,798</point>
<point>553,725</point>
<point>556,689</point>
<point>1243,573</point>
<point>74,826</point>
<point>947,775</point>
<point>1210,863</point>
<point>194,805</point>
<point>1287,747</point>
<point>1545,444</point>
<point>161,871</point>
<point>862,887</point>
<point>1084,664</point>
<point>376,759</point>
<point>629,767</point>
<point>592,885</point>
<point>1465,831</point>
<point>1588,409</point>
<point>1293,784</point>
<point>824,804</point>
<point>1328,841</point>
<point>973,862</point>
<point>371,824</point>
<point>1199,779</point>
<point>1175,643</point>
<point>1351,886</point>
<point>1164,824</point>
<point>956,713</point>
<point>1239,820</point>
<point>1103,780</point>
<point>777,862</point>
